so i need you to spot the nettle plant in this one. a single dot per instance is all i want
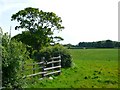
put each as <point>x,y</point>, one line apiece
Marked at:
<point>13,54</point>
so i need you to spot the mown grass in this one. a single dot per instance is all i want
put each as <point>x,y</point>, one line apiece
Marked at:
<point>92,68</point>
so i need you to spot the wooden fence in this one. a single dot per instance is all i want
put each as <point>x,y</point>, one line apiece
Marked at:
<point>46,68</point>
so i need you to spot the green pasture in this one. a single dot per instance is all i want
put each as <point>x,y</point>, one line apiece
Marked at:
<point>91,68</point>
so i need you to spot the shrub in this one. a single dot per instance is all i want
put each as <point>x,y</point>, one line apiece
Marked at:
<point>13,53</point>
<point>54,51</point>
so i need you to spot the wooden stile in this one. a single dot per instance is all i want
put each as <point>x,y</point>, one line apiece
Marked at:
<point>45,71</point>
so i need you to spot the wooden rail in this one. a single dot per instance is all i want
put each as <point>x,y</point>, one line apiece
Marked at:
<point>54,67</point>
<point>53,62</point>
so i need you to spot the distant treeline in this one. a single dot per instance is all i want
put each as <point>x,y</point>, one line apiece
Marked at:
<point>97,44</point>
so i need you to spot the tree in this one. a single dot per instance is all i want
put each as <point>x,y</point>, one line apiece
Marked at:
<point>109,44</point>
<point>39,26</point>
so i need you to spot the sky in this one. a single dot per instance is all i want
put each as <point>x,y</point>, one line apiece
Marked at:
<point>84,20</point>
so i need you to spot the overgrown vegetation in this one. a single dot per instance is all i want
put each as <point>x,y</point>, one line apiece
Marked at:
<point>13,53</point>
<point>54,51</point>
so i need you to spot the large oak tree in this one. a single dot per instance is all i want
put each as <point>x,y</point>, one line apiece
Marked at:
<point>39,26</point>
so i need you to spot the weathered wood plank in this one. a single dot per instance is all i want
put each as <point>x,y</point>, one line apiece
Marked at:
<point>52,68</point>
<point>52,72</point>
<point>53,62</point>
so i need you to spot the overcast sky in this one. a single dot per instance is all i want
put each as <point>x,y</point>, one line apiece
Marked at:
<point>84,20</point>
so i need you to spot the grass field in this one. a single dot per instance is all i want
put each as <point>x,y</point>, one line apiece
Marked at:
<point>92,68</point>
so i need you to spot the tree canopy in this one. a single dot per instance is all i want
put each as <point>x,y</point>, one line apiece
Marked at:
<point>39,26</point>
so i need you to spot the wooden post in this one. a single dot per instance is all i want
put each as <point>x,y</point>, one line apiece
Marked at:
<point>43,65</point>
<point>59,64</point>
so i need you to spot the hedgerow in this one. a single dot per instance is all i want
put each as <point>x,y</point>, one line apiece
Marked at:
<point>13,54</point>
<point>54,51</point>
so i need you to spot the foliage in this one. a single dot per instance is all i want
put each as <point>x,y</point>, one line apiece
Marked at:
<point>40,27</point>
<point>54,51</point>
<point>13,54</point>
